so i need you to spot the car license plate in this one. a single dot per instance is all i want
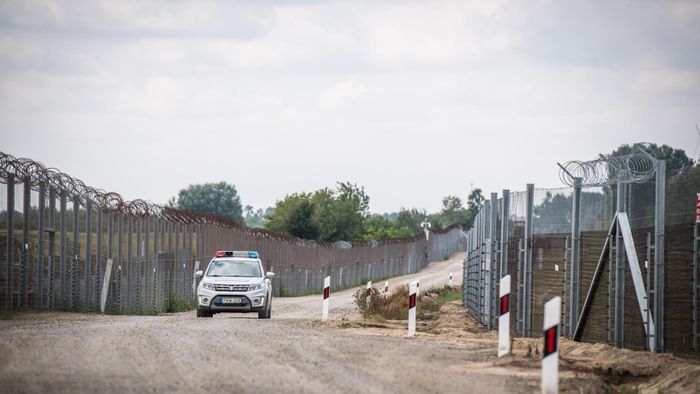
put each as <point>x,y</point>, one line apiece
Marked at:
<point>231,300</point>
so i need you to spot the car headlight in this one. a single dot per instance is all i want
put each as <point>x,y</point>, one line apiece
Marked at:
<point>209,286</point>
<point>255,287</point>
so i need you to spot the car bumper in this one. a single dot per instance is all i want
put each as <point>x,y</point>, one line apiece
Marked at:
<point>253,301</point>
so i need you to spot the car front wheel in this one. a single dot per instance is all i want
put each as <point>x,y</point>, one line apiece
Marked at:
<point>267,313</point>
<point>204,313</point>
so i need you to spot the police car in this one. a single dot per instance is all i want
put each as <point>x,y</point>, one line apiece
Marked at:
<point>234,281</point>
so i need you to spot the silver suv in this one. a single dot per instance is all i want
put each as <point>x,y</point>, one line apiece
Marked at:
<point>234,282</point>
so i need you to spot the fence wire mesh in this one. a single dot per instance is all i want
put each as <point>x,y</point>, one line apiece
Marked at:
<point>560,257</point>
<point>56,235</point>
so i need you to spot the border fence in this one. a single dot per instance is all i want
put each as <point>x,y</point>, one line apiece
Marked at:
<point>57,234</point>
<point>620,246</point>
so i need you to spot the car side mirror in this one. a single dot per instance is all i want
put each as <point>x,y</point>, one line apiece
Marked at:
<point>198,274</point>
<point>270,275</point>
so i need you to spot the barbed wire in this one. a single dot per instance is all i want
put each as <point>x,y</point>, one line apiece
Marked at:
<point>36,173</point>
<point>636,167</point>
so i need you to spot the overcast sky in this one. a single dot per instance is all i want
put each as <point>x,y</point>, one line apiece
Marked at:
<point>413,100</point>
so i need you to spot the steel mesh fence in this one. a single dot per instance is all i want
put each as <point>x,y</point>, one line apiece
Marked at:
<point>56,235</point>
<point>569,242</point>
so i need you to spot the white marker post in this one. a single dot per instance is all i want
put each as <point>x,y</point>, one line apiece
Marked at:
<point>550,358</point>
<point>105,285</point>
<point>326,297</point>
<point>369,285</point>
<point>386,287</point>
<point>450,279</point>
<point>412,290</point>
<point>504,317</point>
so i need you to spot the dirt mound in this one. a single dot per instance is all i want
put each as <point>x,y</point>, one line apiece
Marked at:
<point>585,367</point>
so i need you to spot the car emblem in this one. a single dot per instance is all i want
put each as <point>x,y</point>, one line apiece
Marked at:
<point>230,288</point>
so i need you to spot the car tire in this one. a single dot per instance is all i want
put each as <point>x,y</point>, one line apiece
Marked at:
<point>204,313</point>
<point>267,313</point>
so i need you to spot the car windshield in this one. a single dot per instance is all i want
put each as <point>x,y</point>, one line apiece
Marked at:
<point>245,268</point>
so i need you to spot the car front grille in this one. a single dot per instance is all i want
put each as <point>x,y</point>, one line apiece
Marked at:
<point>231,287</point>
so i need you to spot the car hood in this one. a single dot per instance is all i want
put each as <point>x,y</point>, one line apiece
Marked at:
<point>232,280</point>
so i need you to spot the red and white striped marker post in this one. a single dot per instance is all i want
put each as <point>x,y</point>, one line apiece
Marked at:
<point>504,317</point>
<point>450,279</point>
<point>326,297</point>
<point>412,290</point>
<point>369,285</point>
<point>386,287</point>
<point>550,358</point>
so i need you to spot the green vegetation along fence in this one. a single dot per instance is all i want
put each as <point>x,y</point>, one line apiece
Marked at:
<point>552,242</point>
<point>56,235</point>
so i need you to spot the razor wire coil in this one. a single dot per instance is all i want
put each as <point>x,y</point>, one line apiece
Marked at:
<point>636,167</point>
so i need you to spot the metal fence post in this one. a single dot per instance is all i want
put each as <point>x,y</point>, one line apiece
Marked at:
<point>52,249</point>
<point>25,241</point>
<point>659,255</point>
<point>9,271</point>
<point>39,301</point>
<point>493,262</point>
<point>575,280</point>
<point>64,246</point>
<point>527,274</point>
<point>75,267</point>
<point>620,270</point>
<point>505,229</point>
<point>88,252</point>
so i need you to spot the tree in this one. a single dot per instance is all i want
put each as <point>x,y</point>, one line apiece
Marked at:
<point>380,227</point>
<point>475,201</point>
<point>255,218</point>
<point>676,159</point>
<point>326,215</point>
<point>411,219</point>
<point>453,212</point>
<point>213,198</point>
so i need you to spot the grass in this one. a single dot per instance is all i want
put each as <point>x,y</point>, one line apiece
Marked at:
<point>380,307</point>
<point>177,305</point>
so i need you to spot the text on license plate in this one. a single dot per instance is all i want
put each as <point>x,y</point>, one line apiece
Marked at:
<point>231,300</point>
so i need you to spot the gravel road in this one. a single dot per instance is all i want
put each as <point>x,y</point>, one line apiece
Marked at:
<point>292,352</point>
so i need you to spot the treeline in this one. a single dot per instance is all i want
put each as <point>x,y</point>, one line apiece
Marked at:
<point>342,214</point>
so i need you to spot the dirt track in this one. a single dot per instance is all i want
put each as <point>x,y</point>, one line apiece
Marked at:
<point>293,352</point>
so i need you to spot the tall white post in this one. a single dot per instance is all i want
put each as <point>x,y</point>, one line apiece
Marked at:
<point>386,287</point>
<point>412,290</point>
<point>326,297</point>
<point>450,279</point>
<point>550,359</point>
<point>105,285</point>
<point>504,317</point>
<point>369,285</point>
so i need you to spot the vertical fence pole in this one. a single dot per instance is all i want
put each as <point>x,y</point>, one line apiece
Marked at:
<point>620,270</point>
<point>98,259</point>
<point>39,301</point>
<point>504,233</point>
<point>575,278</point>
<point>26,196</point>
<point>9,271</point>
<point>52,248</point>
<point>64,246</point>
<point>527,274</point>
<point>659,256</point>
<point>493,259</point>
<point>88,253</point>
<point>75,267</point>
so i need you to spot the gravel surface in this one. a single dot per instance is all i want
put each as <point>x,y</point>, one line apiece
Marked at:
<point>292,352</point>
